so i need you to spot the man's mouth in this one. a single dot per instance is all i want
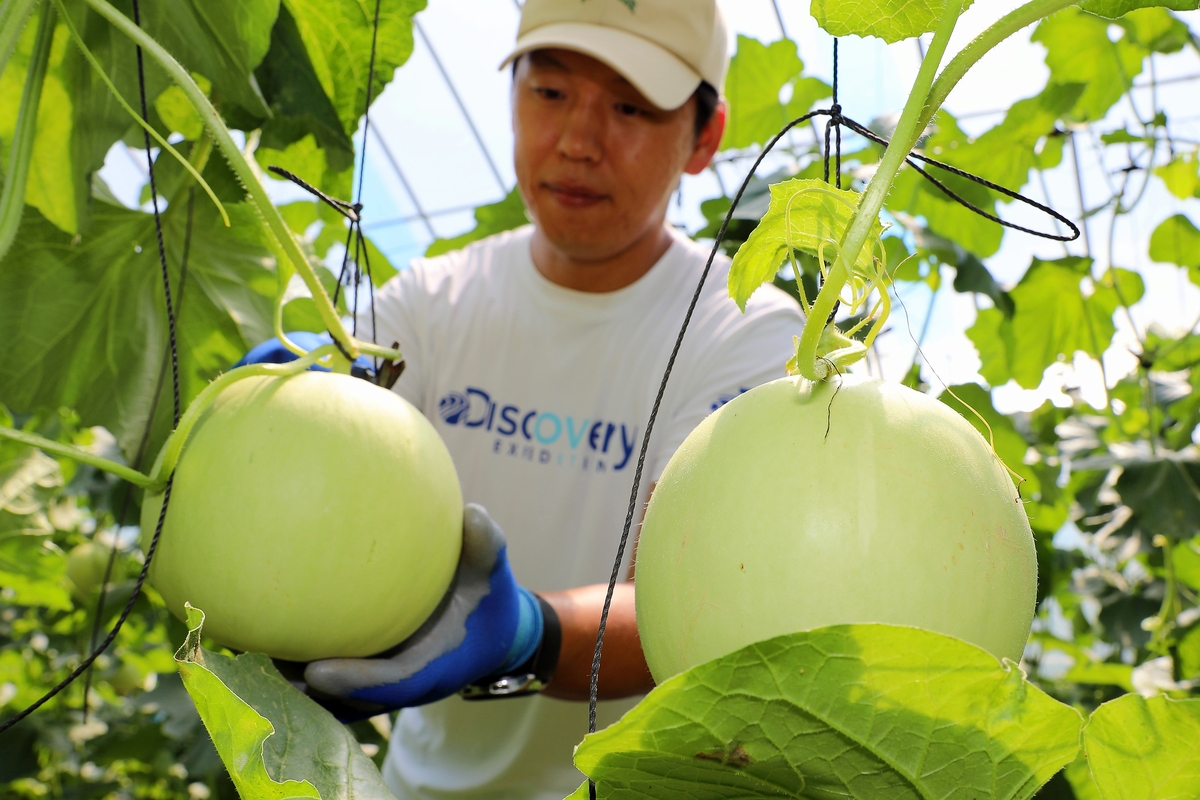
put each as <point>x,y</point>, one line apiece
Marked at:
<point>574,195</point>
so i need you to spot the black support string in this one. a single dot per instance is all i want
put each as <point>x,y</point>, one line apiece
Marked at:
<point>86,664</point>
<point>140,455</point>
<point>836,119</point>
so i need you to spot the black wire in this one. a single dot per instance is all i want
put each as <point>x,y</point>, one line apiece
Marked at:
<point>594,685</point>
<point>361,183</point>
<point>86,664</point>
<point>137,459</point>
<point>867,133</point>
<point>162,250</point>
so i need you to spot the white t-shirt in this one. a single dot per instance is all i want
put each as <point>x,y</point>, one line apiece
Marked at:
<point>542,395</point>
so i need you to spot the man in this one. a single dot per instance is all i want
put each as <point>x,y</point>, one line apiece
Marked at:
<point>537,354</point>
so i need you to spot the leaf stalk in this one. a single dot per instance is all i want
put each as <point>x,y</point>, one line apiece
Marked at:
<point>76,454</point>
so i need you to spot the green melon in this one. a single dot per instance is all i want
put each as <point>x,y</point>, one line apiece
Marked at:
<point>314,516</point>
<point>761,526</point>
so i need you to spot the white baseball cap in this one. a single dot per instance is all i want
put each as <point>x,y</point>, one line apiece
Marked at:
<point>665,48</point>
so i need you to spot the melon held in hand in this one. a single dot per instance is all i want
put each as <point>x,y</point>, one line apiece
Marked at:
<point>312,516</point>
<point>762,525</point>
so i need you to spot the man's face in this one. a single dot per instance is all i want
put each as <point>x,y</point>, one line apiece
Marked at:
<point>596,161</point>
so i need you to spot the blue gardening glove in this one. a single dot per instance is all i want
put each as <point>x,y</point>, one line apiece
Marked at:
<point>485,626</point>
<point>272,351</point>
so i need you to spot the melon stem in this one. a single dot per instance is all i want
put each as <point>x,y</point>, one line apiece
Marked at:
<point>169,455</point>
<point>859,229</point>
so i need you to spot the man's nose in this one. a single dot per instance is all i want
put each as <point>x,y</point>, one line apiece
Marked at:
<point>583,130</point>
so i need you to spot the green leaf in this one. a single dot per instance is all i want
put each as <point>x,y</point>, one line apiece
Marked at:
<point>85,326</point>
<point>1051,322</point>
<point>1189,653</point>
<point>237,730</point>
<point>178,113</point>
<point>1078,50</point>
<point>1182,176</point>
<point>341,62</point>
<point>1101,674</point>
<point>1177,241</point>
<point>1112,9</point>
<point>1185,557</point>
<point>805,214</point>
<point>1157,29</point>
<point>845,711</point>
<point>1080,779</point>
<point>493,218</point>
<point>1121,137</point>
<point>263,726</point>
<point>757,75</point>
<point>298,101</point>
<point>890,20</point>
<point>1163,497</point>
<point>1142,748</point>
<point>306,159</point>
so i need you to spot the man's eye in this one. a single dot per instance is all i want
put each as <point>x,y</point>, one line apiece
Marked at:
<point>628,109</point>
<point>547,93</point>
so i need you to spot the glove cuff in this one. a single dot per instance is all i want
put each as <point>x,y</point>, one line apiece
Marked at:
<point>530,629</point>
<point>531,675</point>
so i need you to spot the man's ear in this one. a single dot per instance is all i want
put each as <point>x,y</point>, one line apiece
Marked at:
<point>708,141</point>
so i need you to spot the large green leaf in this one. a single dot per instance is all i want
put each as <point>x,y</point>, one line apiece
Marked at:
<point>1116,8</point>
<point>805,214</point>
<point>337,37</point>
<point>1052,320</point>
<point>1079,50</point>
<point>1157,29</point>
<point>84,322</point>
<point>758,74</point>
<point>1163,497</point>
<point>890,20</point>
<point>493,218</point>
<point>300,106</point>
<point>263,727</point>
<point>859,711</point>
<point>1145,749</point>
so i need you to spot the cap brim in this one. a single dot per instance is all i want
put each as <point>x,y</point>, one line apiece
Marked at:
<point>660,75</point>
